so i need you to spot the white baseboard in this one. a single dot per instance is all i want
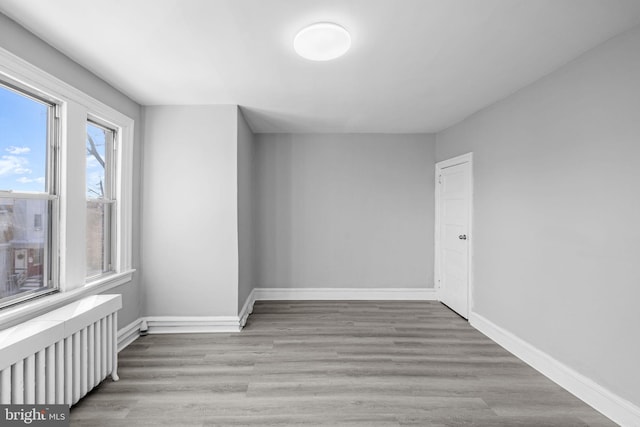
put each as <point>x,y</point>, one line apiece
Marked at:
<point>370,294</point>
<point>201,324</point>
<point>177,325</point>
<point>129,334</point>
<point>192,324</point>
<point>611,405</point>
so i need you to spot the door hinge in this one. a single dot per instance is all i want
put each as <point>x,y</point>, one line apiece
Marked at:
<point>439,179</point>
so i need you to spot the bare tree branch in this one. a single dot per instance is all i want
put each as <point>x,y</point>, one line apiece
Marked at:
<point>94,151</point>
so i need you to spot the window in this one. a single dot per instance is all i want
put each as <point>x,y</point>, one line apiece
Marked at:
<point>100,201</point>
<point>59,232</point>
<point>28,200</point>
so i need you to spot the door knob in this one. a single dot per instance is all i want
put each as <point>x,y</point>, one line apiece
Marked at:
<point>462,237</point>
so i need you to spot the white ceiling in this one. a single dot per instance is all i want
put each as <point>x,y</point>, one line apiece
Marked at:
<point>414,65</point>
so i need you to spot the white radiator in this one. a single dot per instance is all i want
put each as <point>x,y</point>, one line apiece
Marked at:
<point>58,357</point>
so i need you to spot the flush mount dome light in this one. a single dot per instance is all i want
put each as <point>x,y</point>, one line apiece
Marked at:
<point>322,41</point>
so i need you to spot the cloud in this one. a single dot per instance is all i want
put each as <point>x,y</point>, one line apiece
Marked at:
<point>92,162</point>
<point>10,165</point>
<point>17,150</point>
<point>25,180</point>
<point>95,178</point>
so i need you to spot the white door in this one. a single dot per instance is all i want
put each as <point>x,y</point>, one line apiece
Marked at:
<point>453,232</point>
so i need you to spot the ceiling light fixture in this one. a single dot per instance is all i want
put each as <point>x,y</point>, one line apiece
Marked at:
<point>322,41</point>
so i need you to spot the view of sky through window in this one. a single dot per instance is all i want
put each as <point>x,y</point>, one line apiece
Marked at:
<point>96,144</point>
<point>23,142</point>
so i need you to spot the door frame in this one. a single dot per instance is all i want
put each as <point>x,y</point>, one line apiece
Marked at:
<point>464,158</point>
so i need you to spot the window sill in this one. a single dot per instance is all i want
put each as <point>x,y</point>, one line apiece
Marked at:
<point>11,316</point>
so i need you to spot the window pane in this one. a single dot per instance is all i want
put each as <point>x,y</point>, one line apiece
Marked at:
<point>22,245</point>
<point>99,202</point>
<point>97,215</point>
<point>23,142</point>
<point>97,140</point>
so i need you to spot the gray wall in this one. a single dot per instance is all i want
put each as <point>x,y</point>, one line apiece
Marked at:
<point>246,210</point>
<point>190,227</point>
<point>348,210</point>
<point>557,203</point>
<point>25,45</point>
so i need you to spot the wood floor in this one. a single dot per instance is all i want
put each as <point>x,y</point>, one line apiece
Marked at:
<point>331,363</point>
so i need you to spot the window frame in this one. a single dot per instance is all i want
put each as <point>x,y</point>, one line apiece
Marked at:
<point>50,279</point>
<point>74,108</point>
<point>109,198</point>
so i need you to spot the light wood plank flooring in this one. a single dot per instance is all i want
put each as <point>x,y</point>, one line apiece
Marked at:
<point>331,363</point>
